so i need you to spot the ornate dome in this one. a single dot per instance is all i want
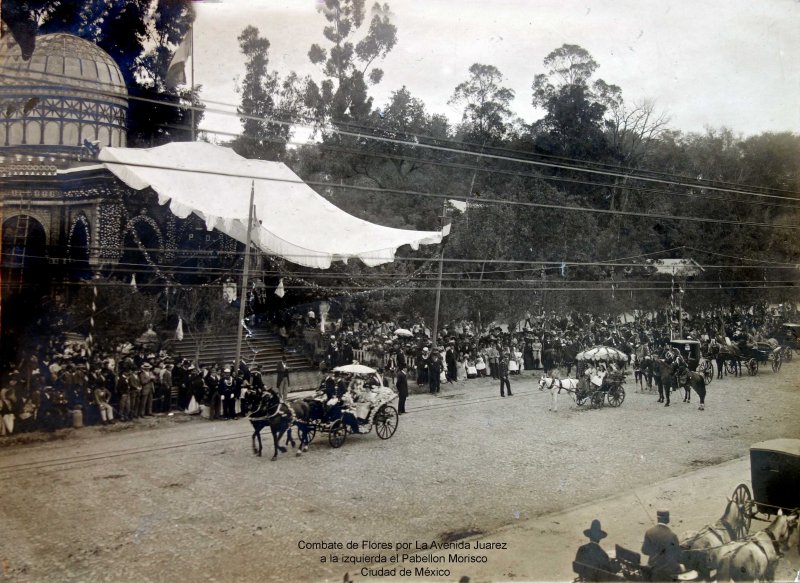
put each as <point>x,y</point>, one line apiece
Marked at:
<point>69,91</point>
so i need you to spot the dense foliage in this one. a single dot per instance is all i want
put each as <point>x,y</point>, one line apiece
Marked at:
<point>550,205</point>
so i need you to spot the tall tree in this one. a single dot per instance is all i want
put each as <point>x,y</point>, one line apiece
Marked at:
<point>349,65</point>
<point>575,108</point>
<point>487,104</point>
<point>269,105</point>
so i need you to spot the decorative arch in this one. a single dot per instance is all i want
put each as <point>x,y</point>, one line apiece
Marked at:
<point>150,221</point>
<point>24,250</point>
<point>78,245</point>
<point>142,239</point>
<point>79,222</point>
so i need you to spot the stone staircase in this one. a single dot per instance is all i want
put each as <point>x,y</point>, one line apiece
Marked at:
<point>261,348</point>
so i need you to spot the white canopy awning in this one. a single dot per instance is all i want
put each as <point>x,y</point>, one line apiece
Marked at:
<point>293,220</point>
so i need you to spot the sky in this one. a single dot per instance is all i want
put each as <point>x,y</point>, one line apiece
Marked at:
<point>705,63</point>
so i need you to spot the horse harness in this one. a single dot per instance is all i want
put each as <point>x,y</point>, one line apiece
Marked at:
<point>280,402</point>
<point>552,385</point>
<point>715,531</point>
<point>764,549</point>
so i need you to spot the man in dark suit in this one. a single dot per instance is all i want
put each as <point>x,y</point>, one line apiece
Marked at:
<point>283,378</point>
<point>401,383</point>
<point>450,361</point>
<point>502,371</point>
<point>662,549</point>
<point>434,371</point>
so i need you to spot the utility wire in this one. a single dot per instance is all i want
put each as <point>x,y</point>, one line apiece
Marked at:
<point>416,144</point>
<point>484,200</point>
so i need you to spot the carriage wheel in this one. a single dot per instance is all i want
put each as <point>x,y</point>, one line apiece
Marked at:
<point>776,363</point>
<point>385,421</point>
<point>708,372</point>
<point>579,397</point>
<point>337,434</point>
<point>752,367</point>
<point>597,399</point>
<point>311,433</point>
<point>730,367</point>
<point>616,396</point>
<point>742,497</point>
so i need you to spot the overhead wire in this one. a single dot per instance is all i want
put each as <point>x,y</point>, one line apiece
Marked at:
<point>483,200</point>
<point>478,147</point>
<point>488,170</point>
<point>416,144</point>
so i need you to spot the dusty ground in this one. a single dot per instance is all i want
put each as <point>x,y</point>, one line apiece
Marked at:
<point>186,499</point>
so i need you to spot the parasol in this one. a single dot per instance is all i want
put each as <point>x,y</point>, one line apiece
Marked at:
<point>355,369</point>
<point>403,332</point>
<point>604,353</point>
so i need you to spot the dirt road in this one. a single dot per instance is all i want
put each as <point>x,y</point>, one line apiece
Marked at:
<point>186,499</point>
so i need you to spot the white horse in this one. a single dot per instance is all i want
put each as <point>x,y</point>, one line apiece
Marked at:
<point>555,386</point>
<point>756,557</point>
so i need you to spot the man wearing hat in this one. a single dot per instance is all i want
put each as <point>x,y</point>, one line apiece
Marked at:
<point>422,367</point>
<point>434,371</point>
<point>663,549</point>
<point>592,563</point>
<point>502,373</point>
<point>450,361</point>
<point>227,394</point>
<point>147,382</point>
<point>135,391</point>
<point>401,384</point>
<point>282,378</point>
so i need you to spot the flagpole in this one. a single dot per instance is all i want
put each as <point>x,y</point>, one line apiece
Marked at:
<point>245,276</point>
<point>191,94</point>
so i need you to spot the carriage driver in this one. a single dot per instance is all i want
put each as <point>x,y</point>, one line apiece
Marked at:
<point>662,549</point>
<point>592,563</point>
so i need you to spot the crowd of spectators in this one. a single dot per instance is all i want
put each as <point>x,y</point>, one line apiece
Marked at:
<point>72,383</point>
<point>463,351</point>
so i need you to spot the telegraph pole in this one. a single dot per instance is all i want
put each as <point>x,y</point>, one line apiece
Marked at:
<point>245,276</point>
<point>435,333</point>
<point>191,94</point>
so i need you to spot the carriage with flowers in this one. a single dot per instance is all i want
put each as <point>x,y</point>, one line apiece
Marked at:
<point>352,401</point>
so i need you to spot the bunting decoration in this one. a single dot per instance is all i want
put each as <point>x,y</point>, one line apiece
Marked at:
<point>133,283</point>
<point>179,330</point>
<point>91,318</point>
<point>279,291</point>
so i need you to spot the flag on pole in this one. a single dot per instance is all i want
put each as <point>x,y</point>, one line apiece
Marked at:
<point>279,291</point>
<point>179,330</point>
<point>176,74</point>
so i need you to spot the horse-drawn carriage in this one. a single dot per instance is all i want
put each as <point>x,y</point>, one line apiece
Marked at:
<point>725,550</point>
<point>352,401</point>
<point>758,354</point>
<point>696,361</point>
<point>363,404</point>
<point>731,553</point>
<point>602,381</point>
<point>791,340</point>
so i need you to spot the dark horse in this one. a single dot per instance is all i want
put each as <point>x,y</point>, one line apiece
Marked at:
<point>735,353</point>
<point>272,412</point>
<point>696,381</point>
<point>556,356</point>
<point>665,379</point>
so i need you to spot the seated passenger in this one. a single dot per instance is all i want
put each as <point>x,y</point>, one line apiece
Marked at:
<point>592,563</point>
